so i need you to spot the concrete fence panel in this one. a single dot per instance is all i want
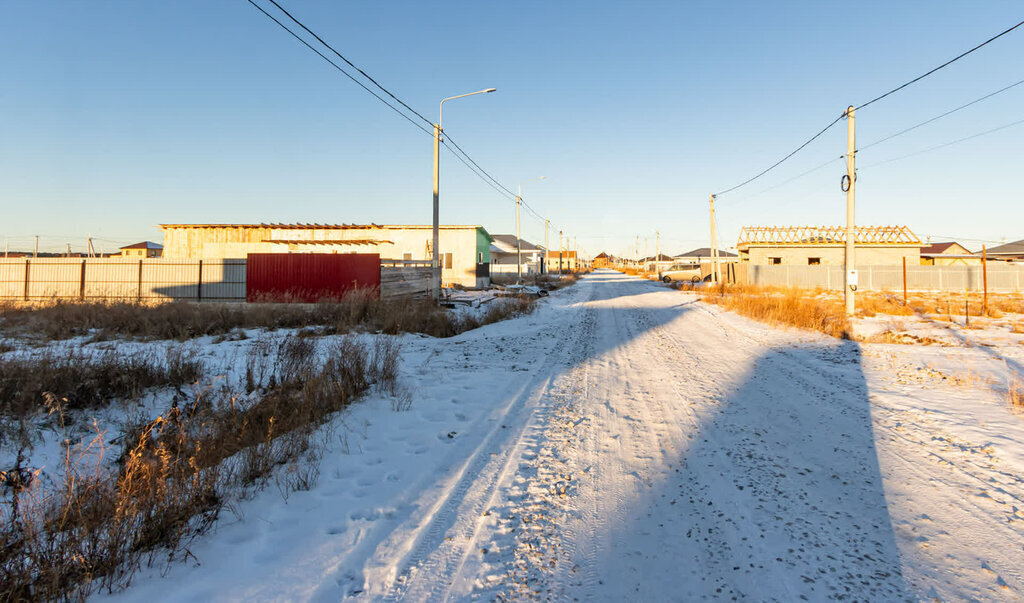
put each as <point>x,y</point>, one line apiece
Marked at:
<point>1002,278</point>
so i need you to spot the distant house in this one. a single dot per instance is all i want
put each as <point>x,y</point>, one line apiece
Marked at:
<point>564,261</point>
<point>948,254</point>
<point>703,254</point>
<point>504,255</point>
<point>465,251</point>
<point>825,245</point>
<point>145,249</point>
<point>1009,251</point>
<point>602,260</point>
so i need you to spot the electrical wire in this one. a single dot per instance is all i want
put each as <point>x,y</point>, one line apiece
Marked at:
<point>350,63</point>
<point>937,117</point>
<point>339,68</point>
<point>944,145</point>
<point>874,100</point>
<point>779,162</point>
<point>946,64</point>
<point>785,182</point>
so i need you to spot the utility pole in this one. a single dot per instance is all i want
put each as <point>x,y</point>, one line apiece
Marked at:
<point>92,250</point>
<point>559,252</point>
<point>69,251</point>
<point>547,248</point>
<point>851,178</point>
<point>636,252</point>
<point>657,253</point>
<point>715,276</point>
<point>645,254</point>
<point>35,254</point>
<point>576,253</point>
<point>519,245</point>
<point>435,258</point>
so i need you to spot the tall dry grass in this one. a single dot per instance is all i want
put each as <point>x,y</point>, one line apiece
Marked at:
<point>98,522</point>
<point>358,310</point>
<point>781,306</point>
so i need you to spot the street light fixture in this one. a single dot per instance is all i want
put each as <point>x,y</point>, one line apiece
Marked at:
<point>435,262</point>
<point>519,245</point>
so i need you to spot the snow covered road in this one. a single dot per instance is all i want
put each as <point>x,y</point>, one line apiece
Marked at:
<point>628,442</point>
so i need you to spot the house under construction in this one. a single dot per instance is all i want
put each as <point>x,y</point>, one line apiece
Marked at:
<point>824,245</point>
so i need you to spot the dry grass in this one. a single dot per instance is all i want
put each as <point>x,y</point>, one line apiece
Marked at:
<point>781,306</point>
<point>358,310</point>
<point>100,522</point>
<point>81,380</point>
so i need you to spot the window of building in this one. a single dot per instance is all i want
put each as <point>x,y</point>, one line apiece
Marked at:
<point>448,261</point>
<point>407,255</point>
<point>813,261</point>
<point>774,260</point>
<point>479,257</point>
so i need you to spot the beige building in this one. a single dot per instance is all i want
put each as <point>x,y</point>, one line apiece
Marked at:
<point>825,245</point>
<point>569,261</point>
<point>464,250</point>
<point>948,254</point>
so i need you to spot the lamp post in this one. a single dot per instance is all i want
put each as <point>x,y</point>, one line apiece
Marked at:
<point>435,261</point>
<point>519,245</point>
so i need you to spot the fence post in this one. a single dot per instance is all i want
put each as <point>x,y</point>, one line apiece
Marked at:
<point>138,297</point>
<point>81,282</point>
<point>984,279</point>
<point>26,280</point>
<point>199,284</point>
<point>904,280</point>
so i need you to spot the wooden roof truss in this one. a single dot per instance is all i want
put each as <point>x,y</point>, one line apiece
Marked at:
<point>825,235</point>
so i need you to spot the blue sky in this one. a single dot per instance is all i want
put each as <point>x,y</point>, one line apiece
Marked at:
<point>119,115</point>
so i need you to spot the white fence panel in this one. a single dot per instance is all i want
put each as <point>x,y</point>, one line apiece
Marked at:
<point>1002,278</point>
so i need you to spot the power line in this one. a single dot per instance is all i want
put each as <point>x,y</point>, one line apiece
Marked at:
<point>350,63</point>
<point>874,100</point>
<point>779,162</point>
<point>339,68</point>
<point>447,141</point>
<point>785,182</point>
<point>946,64</point>
<point>944,145</point>
<point>937,117</point>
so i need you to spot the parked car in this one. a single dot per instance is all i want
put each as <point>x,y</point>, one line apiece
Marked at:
<point>682,272</point>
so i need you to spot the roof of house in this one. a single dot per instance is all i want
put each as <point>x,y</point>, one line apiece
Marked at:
<point>660,258</point>
<point>602,255</point>
<point>826,236</point>
<point>704,252</point>
<point>1015,248</point>
<point>144,245</point>
<point>301,226</point>
<point>941,248</point>
<point>509,242</point>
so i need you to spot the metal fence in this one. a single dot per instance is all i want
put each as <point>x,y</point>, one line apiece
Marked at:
<point>1002,278</point>
<point>96,279</point>
<point>31,279</point>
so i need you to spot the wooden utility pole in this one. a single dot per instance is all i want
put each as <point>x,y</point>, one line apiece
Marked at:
<point>35,254</point>
<point>984,280</point>
<point>904,280</point>
<point>547,248</point>
<point>657,253</point>
<point>715,276</point>
<point>851,183</point>
<point>559,252</point>
<point>519,246</point>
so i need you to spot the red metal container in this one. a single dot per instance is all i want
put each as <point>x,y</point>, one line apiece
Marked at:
<point>309,277</point>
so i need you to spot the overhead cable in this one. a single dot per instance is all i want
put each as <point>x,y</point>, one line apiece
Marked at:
<point>874,100</point>
<point>946,64</point>
<point>937,117</point>
<point>943,145</point>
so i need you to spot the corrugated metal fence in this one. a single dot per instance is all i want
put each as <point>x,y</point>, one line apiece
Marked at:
<point>96,279</point>
<point>1002,278</point>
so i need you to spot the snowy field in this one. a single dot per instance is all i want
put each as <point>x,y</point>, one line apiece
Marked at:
<point>627,442</point>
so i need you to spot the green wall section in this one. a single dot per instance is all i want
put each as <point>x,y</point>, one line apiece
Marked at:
<point>483,244</point>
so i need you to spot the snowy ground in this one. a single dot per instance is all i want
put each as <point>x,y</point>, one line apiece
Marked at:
<point>626,441</point>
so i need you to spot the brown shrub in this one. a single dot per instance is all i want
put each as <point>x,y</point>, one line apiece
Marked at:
<point>83,380</point>
<point>96,526</point>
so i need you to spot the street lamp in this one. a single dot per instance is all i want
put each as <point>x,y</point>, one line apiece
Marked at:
<point>519,246</point>
<point>435,262</point>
